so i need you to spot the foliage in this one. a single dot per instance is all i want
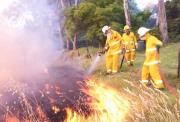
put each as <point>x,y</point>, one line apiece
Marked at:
<point>155,32</point>
<point>173,9</point>
<point>173,16</point>
<point>133,6</point>
<point>174,29</point>
<point>140,19</point>
<point>91,15</point>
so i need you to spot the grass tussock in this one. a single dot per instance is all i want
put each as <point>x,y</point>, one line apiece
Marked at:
<point>147,104</point>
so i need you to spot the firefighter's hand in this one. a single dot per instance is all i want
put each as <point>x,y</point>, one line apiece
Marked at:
<point>103,50</point>
<point>123,50</point>
<point>158,47</point>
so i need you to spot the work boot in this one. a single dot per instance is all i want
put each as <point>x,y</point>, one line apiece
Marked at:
<point>144,83</point>
<point>114,72</point>
<point>160,86</point>
<point>108,73</point>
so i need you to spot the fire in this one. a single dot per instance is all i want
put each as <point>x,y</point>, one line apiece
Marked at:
<point>54,99</point>
<point>106,104</point>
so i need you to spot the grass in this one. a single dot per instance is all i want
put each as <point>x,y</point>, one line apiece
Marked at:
<point>147,104</point>
<point>155,105</point>
<point>168,56</point>
<point>169,64</point>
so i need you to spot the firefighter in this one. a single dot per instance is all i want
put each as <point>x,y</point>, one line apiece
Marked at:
<point>130,44</point>
<point>150,66</point>
<point>114,47</point>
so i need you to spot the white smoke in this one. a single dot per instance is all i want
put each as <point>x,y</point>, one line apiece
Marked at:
<point>28,37</point>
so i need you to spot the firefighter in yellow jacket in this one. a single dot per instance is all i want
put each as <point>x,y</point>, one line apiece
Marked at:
<point>114,47</point>
<point>150,66</point>
<point>130,44</point>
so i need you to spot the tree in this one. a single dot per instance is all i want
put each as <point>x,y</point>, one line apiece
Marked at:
<point>179,62</point>
<point>140,19</point>
<point>91,15</point>
<point>162,21</point>
<point>173,18</point>
<point>127,13</point>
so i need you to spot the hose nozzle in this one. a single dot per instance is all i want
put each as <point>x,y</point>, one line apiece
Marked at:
<point>100,53</point>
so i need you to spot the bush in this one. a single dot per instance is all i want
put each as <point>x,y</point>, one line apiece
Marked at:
<point>155,32</point>
<point>174,30</point>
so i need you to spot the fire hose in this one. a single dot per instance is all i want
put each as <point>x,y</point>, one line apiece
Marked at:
<point>130,68</point>
<point>170,88</point>
<point>100,53</point>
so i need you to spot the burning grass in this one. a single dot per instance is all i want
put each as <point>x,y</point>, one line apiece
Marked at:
<point>105,104</point>
<point>65,94</point>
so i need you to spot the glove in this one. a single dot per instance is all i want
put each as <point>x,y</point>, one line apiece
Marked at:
<point>158,47</point>
<point>103,51</point>
<point>123,50</point>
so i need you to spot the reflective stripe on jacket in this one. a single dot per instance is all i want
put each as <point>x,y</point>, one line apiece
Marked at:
<point>129,41</point>
<point>114,43</point>
<point>151,43</point>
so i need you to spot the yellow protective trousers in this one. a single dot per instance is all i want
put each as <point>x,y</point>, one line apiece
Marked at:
<point>130,57</point>
<point>112,63</point>
<point>152,71</point>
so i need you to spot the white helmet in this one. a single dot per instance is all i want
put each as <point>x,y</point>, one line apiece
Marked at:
<point>105,28</point>
<point>142,31</point>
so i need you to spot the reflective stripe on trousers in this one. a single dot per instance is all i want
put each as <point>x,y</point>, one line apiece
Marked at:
<point>153,62</point>
<point>114,71</point>
<point>109,70</point>
<point>158,82</point>
<point>144,81</point>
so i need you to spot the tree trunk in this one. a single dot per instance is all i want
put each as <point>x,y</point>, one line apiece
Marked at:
<point>75,35</point>
<point>62,4</point>
<point>179,62</point>
<point>67,44</point>
<point>162,21</point>
<point>76,3</point>
<point>127,13</point>
<point>74,42</point>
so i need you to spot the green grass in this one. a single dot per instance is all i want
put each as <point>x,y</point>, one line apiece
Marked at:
<point>147,104</point>
<point>127,80</point>
<point>168,57</point>
<point>169,64</point>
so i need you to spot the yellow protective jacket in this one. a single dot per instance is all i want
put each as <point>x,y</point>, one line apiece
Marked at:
<point>151,57</point>
<point>129,41</point>
<point>114,43</point>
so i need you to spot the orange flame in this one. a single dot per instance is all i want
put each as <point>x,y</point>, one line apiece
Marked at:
<point>106,103</point>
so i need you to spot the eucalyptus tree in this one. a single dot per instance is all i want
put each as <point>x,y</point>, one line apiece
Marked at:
<point>91,15</point>
<point>162,20</point>
<point>127,13</point>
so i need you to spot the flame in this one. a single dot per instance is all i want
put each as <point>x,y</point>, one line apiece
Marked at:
<point>106,103</point>
<point>55,109</point>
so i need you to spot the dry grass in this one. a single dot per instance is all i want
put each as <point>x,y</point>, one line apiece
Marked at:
<point>147,103</point>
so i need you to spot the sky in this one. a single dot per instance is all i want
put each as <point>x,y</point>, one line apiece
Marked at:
<point>142,3</point>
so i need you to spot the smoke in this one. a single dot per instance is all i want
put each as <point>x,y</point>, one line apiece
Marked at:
<point>28,37</point>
